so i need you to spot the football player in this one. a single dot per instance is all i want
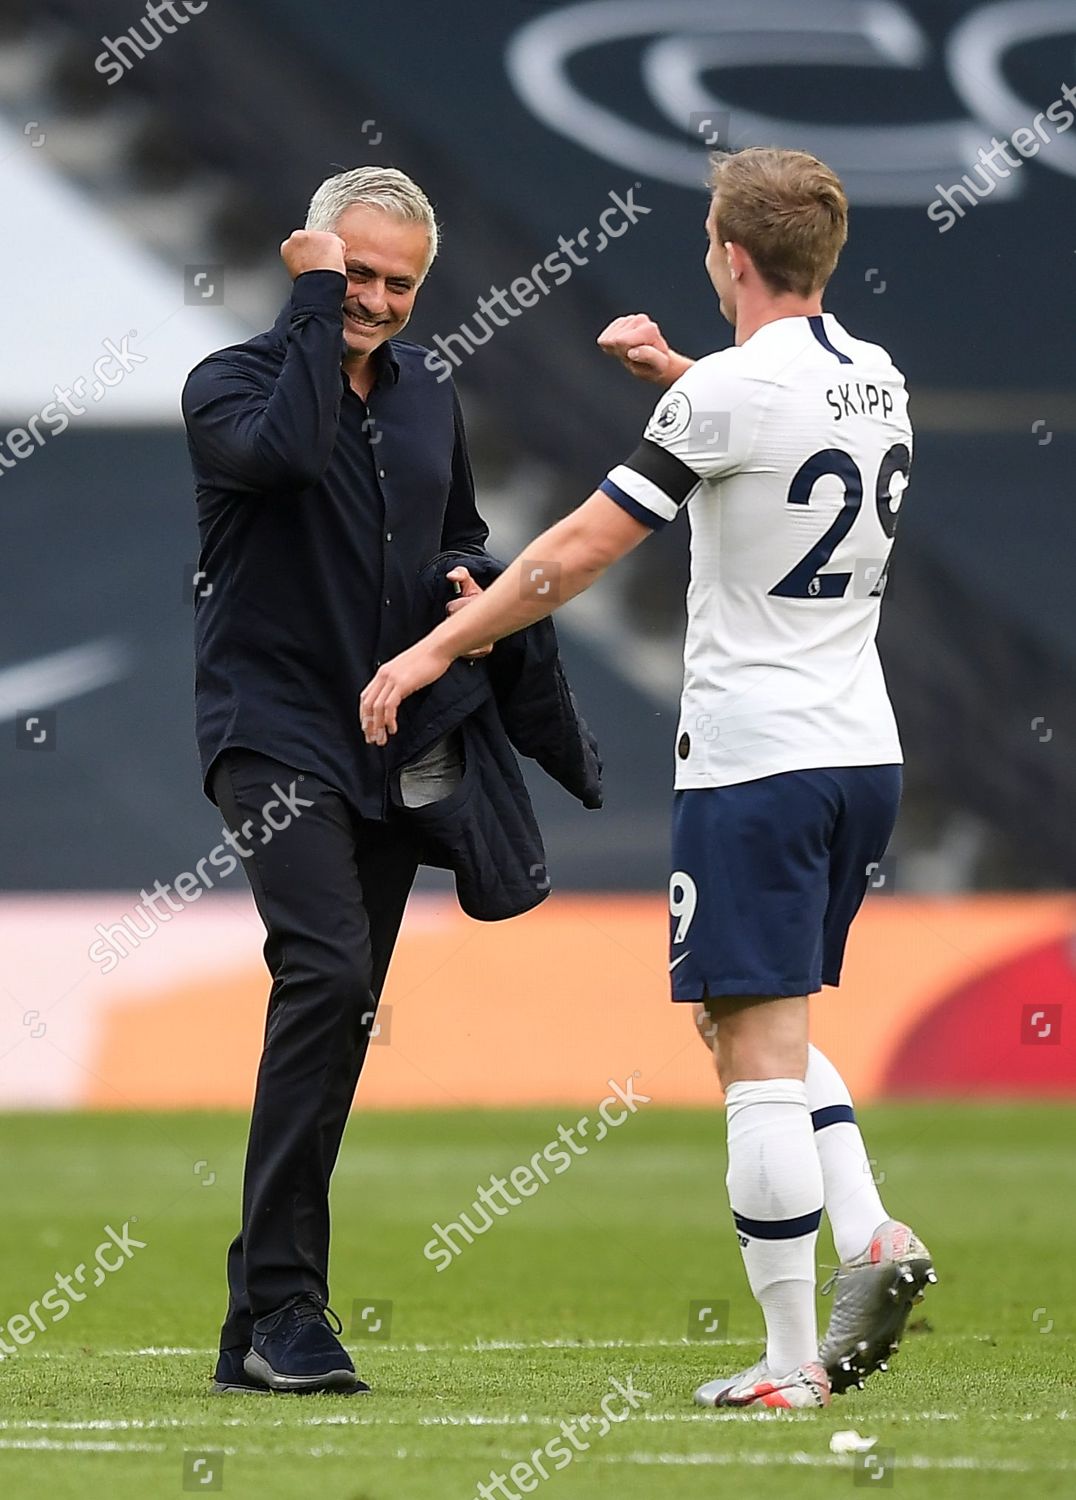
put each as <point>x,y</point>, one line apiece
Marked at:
<point>790,453</point>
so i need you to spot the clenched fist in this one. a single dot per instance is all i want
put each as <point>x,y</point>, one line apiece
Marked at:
<point>640,346</point>
<point>312,250</point>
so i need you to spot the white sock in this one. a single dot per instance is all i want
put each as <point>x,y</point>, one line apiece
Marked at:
<point>775,1191</point>
<point>853,1204</point>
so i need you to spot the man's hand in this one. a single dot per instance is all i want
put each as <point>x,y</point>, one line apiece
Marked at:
<point>468,590</point>
<point>396,680</point>
<point>640,346</point>
<point>313,250</point>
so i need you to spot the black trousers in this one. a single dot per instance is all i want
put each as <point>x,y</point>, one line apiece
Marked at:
<point>331,889</point>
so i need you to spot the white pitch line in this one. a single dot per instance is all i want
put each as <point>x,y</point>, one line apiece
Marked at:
<point>475,1346</point>
<point>160,1352</point>
<point>655,1460</point>
<point>496,1345</point>
<point>826,1461</point>
<point>108,1424</point>
<point>53,1445</point>
<point>464,1419</point>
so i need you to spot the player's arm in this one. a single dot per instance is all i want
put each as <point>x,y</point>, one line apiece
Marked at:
<point>640,495</point>
<point>557,566</point>
<point>641,347</point>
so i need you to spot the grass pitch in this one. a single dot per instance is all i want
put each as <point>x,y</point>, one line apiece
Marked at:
<point>474,1368</point>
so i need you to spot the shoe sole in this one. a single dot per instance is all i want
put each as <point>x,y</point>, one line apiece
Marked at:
<point>224,1388</point>
<point>900,1285</point>
<point>343,1382</point>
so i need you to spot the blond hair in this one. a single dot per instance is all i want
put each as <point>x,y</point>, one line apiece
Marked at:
<point>787,209</point>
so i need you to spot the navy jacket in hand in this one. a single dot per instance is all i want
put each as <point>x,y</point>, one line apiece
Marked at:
<point>516,699</point>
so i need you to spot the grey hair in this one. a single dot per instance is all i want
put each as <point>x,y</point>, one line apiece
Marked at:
<point>376,187</point>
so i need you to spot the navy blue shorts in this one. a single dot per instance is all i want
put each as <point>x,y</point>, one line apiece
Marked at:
<point>768,875</point>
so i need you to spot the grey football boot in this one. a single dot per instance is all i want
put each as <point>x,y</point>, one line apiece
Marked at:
<point>873,1296</point>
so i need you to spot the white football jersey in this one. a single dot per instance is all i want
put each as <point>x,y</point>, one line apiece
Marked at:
<point>791,454</point>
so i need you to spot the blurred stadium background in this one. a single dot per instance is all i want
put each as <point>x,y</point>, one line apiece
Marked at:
<point>146,212</point>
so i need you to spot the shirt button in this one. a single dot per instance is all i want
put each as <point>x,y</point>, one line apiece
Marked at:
<point>388,601</point>
<point>380,473</point>
<point>388,536</point>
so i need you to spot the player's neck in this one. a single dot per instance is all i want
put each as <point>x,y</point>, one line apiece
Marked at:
<point>754,313</point>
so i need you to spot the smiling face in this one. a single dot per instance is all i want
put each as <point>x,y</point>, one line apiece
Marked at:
<point>386,262</point>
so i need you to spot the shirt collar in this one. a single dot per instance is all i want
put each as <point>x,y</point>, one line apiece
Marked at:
<point>386,365</point>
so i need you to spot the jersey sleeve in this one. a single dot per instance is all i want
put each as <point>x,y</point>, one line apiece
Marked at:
<point>701,429</point>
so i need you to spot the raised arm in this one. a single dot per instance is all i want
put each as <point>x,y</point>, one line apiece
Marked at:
<point>641,495</point>
<point>278,436</point>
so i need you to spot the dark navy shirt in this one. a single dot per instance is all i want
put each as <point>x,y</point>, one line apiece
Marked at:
<point>317,511</point>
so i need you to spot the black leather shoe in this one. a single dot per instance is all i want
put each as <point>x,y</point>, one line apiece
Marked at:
<point>230,1378</point>
<point>296,1349</point>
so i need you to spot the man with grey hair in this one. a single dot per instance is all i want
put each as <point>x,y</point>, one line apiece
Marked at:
<point>330,465</point>
<point>377,187</point>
